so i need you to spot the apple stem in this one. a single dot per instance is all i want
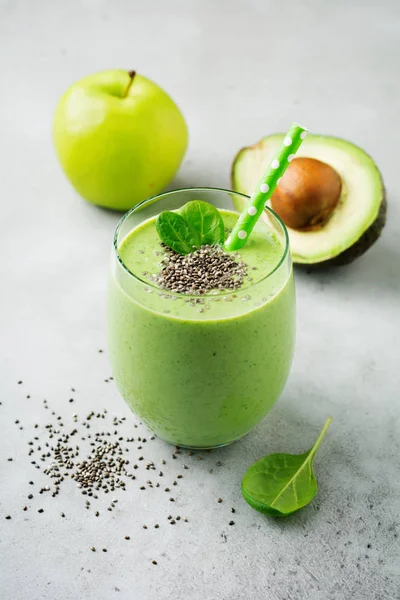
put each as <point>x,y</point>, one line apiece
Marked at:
<point>128,87</point>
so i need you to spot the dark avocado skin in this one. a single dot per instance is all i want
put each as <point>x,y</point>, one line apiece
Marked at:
<point>368,238</point>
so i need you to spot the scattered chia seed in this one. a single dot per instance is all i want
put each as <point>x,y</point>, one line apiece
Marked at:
<point>219,500</point>
<point>231,522</point>
<point>154,562</point>
<point>233,510</point>
<point>8,517</point>
<point>99,464</point>
<point>93,549</point>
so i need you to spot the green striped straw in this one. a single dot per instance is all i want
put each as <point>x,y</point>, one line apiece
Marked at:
<point>265,188</point>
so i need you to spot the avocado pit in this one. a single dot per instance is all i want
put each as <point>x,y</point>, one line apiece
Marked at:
<point>307,194</point>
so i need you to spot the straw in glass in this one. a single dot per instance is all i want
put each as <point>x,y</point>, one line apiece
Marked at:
<point>265,188</point>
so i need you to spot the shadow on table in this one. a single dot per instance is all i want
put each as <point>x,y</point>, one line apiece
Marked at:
<point>376,270</point>
<point>282,430</point>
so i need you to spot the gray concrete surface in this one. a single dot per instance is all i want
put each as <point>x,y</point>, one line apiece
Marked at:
<point>239,70</point>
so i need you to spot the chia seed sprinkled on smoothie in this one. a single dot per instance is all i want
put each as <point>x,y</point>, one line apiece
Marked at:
<point>208,268</point>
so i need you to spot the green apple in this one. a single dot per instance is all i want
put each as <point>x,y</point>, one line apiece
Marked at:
<point>119,138</point>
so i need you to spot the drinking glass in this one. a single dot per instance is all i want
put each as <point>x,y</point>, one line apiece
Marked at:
<point>200,371</point>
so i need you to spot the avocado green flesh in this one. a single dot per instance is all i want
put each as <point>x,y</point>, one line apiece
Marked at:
<point>361,205</point>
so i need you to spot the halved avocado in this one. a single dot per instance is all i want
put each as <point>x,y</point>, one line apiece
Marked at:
<point>359,215</point>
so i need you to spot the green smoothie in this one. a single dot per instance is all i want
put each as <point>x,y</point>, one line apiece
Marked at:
<point>201,371</point>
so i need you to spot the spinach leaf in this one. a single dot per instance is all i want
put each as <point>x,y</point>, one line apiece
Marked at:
<point>280,484</point>
<point>206,220</point>
<point>198,223</point>
<point>176,233</point>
